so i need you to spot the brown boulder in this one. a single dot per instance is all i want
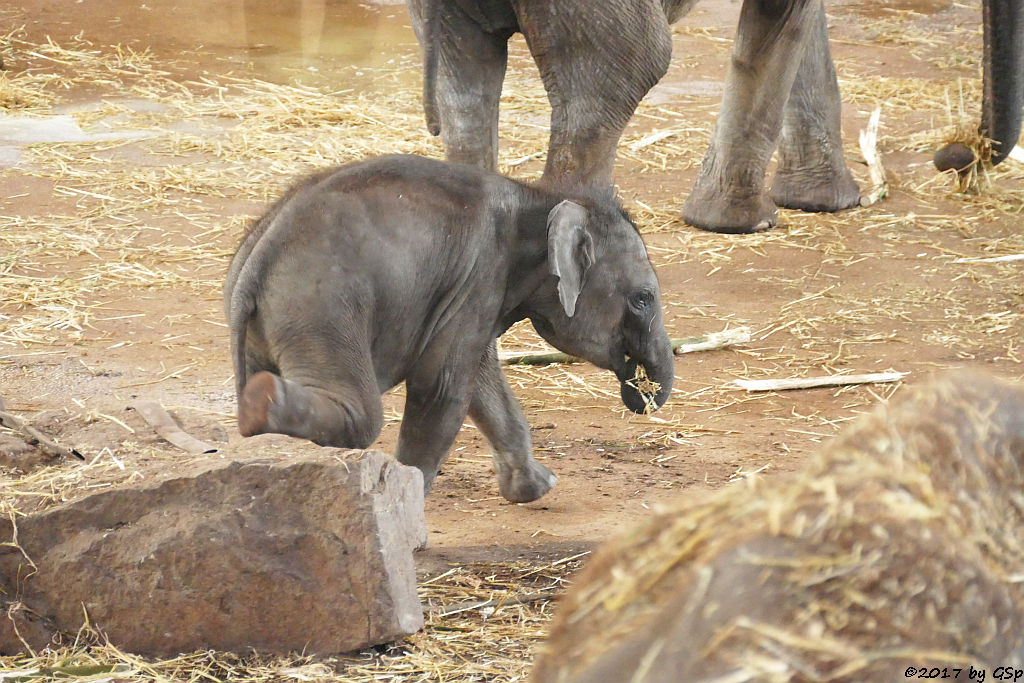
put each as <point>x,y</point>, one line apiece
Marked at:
<point>304,548</point>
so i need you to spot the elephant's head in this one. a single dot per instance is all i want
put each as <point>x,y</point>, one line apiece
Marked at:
<point>1003,84</point>
<point>602,302</point>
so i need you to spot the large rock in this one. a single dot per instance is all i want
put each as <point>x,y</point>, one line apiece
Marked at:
<point>312,551</point>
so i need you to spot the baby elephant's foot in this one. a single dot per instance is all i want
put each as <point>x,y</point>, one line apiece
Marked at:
<point>256,403</point>
<point>524,483</point>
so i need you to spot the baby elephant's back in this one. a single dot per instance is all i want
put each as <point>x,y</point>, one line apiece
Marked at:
<point>379,245</point>
<point>395,217</point>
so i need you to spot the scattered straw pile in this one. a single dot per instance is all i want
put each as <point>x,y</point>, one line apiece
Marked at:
<point>899,546</point>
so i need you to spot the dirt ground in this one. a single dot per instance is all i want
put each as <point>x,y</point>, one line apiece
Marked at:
<point>110,284</point>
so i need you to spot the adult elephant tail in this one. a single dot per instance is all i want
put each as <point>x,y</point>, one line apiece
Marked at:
<point>1002,103</point>
<point>1003,97</point>
<point>430,56</point>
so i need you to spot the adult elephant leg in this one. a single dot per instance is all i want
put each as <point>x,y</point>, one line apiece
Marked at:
<point>812,174</point>
<point>497,413</point>
<point>729,195</point>
<point>596,68</point>
<point>471,62</point>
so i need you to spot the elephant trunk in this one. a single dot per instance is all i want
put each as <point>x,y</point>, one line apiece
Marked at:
<point>1003,97</point>
<point>647,391</point>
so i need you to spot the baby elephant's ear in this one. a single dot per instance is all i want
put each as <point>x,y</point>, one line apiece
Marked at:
<point>570,251</point>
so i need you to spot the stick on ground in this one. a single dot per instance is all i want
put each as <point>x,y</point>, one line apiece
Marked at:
<point>869,148</point>
<point>36,438</point>
<point>710,342</point>
<point>448,610</point>
<point>707,342</point>
<point>991,259</point>
<point>812,382</point>
<point>153,413</point>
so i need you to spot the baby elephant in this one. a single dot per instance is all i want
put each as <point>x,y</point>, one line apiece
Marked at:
<point>406,268</point>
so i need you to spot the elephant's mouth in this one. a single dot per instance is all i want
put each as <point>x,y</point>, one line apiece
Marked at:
<point>640,392</point>
<point>626,370</point>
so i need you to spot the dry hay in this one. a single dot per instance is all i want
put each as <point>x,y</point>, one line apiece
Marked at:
<point>22,93</point>
<point>646,387</point>
<point>892,30</point>
<point>905,94</point>
<point>900,545</point>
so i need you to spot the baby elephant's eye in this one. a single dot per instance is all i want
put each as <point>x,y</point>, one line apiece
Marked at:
<point>640,301</point>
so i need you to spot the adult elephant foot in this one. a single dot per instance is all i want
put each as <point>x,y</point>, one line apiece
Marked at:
<point>815,190</point>
<point>731,213</point>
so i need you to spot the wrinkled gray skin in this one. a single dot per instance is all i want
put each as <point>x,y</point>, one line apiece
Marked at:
<point>599,58</point>
<point>405,268</point>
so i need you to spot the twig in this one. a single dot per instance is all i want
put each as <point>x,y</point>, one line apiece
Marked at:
<point>36,438</point>
<point>707,342</point>
<point>812,382</point>
<point>523,159</point>
<point>448,610</point>
<point>651,139</point>
<point>991,259</point>
<point>869,148</point>
<point>518,358</point>
<point>710,342</point>
<point>153,413</point>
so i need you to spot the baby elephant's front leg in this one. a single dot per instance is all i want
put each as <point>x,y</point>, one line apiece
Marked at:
<point>497,413</point>
<point>436,402</point>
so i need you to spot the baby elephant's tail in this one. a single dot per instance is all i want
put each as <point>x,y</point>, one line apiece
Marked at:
<point>240,299</point>
<point>242,306</point>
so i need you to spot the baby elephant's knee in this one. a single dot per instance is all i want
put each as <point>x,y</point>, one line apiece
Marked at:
<point>272,404</point>
<point>344,423</point>
<point>364,429</point>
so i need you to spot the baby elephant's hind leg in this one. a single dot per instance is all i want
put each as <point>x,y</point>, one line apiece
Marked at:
<point>496,412</point>
<point>338,417</point>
